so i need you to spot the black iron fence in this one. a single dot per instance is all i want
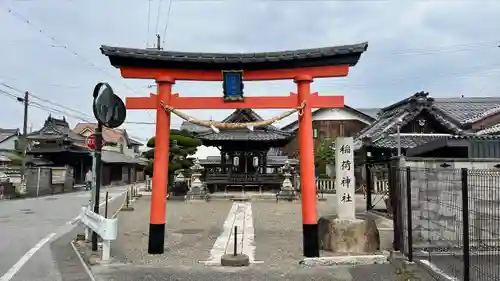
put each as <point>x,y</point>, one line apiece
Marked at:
<point>448,220</point>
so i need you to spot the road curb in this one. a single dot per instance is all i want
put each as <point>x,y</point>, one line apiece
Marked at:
<point>346,260</point>
<point>85,264</point>
<point>80,258</point>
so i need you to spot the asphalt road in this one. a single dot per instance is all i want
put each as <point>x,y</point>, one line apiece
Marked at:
<point>27,226</point>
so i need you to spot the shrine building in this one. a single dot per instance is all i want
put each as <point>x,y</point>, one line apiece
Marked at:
<point>249,160</point>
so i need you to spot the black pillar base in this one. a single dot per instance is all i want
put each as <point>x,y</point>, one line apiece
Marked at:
<point>311,240</point>
<point>156,244</point>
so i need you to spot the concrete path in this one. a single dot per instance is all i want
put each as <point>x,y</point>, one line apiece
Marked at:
<point>27,226</point>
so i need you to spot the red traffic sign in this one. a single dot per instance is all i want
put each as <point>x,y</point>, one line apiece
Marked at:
<point>91,142</point>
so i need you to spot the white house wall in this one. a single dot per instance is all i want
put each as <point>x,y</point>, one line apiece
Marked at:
<point>9,144</point>
<point>335,114</point>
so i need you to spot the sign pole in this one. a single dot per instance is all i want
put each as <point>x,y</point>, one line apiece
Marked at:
<point>92,187</point>
<point>97,176</point>
<point>109,110</point>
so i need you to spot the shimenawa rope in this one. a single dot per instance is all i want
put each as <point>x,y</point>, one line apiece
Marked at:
<point>220,125</point>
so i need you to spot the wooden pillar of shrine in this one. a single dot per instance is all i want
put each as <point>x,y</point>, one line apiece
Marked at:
<point>160,169</point>
<point>307,177</point>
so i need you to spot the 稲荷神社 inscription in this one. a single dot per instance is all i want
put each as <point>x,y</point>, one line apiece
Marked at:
<point>345,181</point>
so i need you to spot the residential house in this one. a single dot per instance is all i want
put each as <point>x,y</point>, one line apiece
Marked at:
<point>63,152</point>
<point>458,127</point>
<point>330,123</point>
<point>9,144</point>
<point>120,156</point>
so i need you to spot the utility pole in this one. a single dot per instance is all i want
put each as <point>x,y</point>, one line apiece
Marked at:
<point>24,142</point>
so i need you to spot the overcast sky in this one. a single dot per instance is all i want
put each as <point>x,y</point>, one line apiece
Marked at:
<point>448,48</point>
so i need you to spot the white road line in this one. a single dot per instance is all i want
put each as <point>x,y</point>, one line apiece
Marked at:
<point>16,267</point>
<point>240,215</point>
<point>24,259</point>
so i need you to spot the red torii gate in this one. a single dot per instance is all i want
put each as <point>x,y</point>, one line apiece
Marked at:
<point>302,66</point>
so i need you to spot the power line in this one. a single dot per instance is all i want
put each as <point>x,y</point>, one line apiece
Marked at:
<point>168,21</point>
<point>57,41</point>
<point>62,44</point>
<point>158,16</point>
<point>76,114</point>
<point>149,23</point>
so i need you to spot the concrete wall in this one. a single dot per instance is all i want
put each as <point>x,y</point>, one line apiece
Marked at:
<point>49,180</point>
<point>39,181</point>
<point>436,195</point>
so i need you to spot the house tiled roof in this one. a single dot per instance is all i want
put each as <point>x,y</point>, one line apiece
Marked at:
<point>109,135</point>
<point>495,129</point>
<point>407,140</point>
<point>455,114</point>
<point>468,109</point>
<point>347,54</point>
<point>119,158</point>
<point>54,128</point>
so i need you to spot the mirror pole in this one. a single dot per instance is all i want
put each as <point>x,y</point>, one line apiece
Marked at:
<point>98,164</point>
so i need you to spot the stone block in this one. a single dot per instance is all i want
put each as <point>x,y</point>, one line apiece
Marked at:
<point>235,260</point>
<point>348,236</point>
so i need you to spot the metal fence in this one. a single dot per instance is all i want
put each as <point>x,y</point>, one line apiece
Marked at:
<point>449,221</point>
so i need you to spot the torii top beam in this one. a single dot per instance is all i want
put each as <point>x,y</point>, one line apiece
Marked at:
<point>317,63</point>
<point>157,64</point>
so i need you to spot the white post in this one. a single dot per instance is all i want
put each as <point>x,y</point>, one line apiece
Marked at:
<point>106,249</point>
<point>345,181</point>
<point>38,182</point>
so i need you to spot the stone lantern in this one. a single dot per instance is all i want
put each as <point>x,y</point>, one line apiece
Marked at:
<point>287,191</point>
<point>197,188</point>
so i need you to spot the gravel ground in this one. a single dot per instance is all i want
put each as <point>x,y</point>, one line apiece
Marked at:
<point>192,229</point>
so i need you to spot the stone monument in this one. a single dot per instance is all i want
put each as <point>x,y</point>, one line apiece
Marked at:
<point>343,232</point>
<point>287,191</point>
<point>197,189</point>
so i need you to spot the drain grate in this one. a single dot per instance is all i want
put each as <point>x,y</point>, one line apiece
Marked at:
<point>51,199</point>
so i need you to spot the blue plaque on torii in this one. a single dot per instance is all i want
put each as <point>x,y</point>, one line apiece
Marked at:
<point>232,85</point>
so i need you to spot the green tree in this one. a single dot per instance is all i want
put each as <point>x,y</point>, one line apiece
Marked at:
<point>182,144</point>
<point>324,155</point>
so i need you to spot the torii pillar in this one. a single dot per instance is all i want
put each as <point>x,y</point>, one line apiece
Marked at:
<point>167,67</point>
